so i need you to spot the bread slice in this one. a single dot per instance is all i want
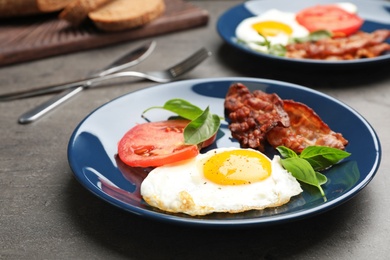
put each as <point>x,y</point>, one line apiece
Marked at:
<point>52,5</point>
<point>12,8</point>
<point>77,11</point>
<point>17,8</point>
<point>124,14</point>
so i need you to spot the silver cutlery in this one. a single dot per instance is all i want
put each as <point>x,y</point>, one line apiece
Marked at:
<point>163,76</point>
<point>130,59</point>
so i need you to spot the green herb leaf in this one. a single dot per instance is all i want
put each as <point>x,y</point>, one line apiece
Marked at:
<point>321,178</point>
<point>313,36</point>
<point>266,42</point>
<point>302,171</point>
<point>201,128</point>
<point>203,124</point>
<point>277,49</point>
<point>305,167</point>
<point>181,107</point>
<point>322,157</point>
<point>286,152</point>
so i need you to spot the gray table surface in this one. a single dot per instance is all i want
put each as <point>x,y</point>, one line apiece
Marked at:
<point>46,214</point>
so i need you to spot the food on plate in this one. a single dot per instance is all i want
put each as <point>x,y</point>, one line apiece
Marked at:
<point>77,11</point>
<point>306,129</point>
<point>307,143</point>
<point>322,32</point>
<point>306,165</point>
<point>222,180</point>
<point>253,115</point>
<point>257,118</point>
<point>272,28</point>
<point>357,46</point>
<point>180,179</point>
<point>123,14</point>
<point>17,8</point>
<point>330,17</point>
<point>203,126</point>
<point>157,143</point>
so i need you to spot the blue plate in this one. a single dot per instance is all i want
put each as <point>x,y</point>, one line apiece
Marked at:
<point>92,149</point>
<point>375,13</point>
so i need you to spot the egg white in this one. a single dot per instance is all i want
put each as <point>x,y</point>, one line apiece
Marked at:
<point>349,7</point>
<point>246,33</point>
<point>182,188</point>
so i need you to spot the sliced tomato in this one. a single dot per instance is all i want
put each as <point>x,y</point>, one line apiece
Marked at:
<point>155,144</point>
<point>209,141</point>
<point>331,18</point>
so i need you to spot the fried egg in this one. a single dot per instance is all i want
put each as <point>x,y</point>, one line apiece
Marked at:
<point>277,26</point>
<point>222,180</point>
<point>349,7</point>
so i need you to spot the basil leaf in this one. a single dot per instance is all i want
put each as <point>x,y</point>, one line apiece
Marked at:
<point>305,166</point>
<point>201,128</point>
<point>313,37</point>
<point>277,49</point>
<point>321,157</point>
<point>302,171</point>
<point>319,35</point>
<point>266,42</point>
<point>273,49</point>
<point>286,152</point>
<point>321,178</point>
<point>181,107</point>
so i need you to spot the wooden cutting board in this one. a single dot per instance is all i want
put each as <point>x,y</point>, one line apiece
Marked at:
<point>26,39</point>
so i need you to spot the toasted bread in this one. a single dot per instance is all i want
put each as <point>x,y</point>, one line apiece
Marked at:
<point>124,14</point>
<point>52,5</point>
<point>17,8</point>
<point>77,11</point>
<point>11,8</point>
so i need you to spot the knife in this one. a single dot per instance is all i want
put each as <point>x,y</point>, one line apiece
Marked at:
<point>130,59</point>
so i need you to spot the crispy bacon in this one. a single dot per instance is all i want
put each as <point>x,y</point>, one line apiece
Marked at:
<point>306,128</point>
<point>356,46</point>
<point>258,117</point>
<point>252,115</point>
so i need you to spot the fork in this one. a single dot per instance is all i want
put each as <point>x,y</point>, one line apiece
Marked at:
<point>163,76</point>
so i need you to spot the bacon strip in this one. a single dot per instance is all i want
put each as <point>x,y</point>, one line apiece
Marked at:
<point>253,115</point>
<point>306,129</point>
<point>356,46</point>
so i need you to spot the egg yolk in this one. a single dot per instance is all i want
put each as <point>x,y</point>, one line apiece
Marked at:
<point>272,28</point>
<point>237,167</point>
